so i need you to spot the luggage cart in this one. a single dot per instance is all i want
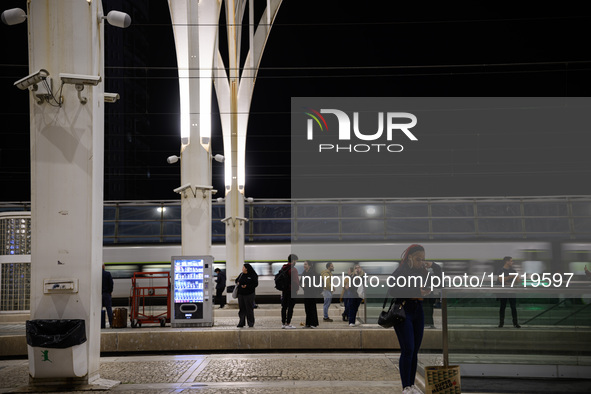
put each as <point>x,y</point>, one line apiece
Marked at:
<point>146,289</point>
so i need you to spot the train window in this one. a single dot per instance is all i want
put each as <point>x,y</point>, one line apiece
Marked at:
<point>379,267</point>
<point>262,269</point>
<point>498,209</point>
<point>218,211</point>
<point>452,210</point>
<point>407,210</point>
<point>156,268</point>
<point>122,270</point>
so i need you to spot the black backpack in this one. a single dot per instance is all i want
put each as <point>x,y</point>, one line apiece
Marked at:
<point>282,279</point>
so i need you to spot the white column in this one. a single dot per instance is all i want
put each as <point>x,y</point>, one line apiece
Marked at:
<point>65,36</point>
<point>195,30</point>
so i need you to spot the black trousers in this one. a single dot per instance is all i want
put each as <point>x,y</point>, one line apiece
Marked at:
<point>220,299</point>
<point>107,304</point>
<point>246,312</point>
<point>513,304</point>
<point>311,311</point>
<point>287,304</point>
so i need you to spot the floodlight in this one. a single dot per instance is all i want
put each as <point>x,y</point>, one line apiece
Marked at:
<point>118,19</point>
<point>79,79</point>
<point>111,97</point>
<point>14,16</point>
<point>32,80</point>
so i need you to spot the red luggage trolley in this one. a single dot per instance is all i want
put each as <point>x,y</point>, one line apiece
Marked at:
<point>147,288</point>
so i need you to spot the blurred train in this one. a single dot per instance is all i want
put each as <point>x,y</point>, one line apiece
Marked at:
<point>456,258</point>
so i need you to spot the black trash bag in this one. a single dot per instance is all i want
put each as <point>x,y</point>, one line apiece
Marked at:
<point>56,334</point>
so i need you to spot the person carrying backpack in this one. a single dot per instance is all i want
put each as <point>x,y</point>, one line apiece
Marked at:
<point>287,301</point>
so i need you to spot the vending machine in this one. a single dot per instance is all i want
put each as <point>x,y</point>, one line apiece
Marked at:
<point>193,291</point>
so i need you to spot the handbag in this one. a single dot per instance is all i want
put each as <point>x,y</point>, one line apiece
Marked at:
<point>361,292</point>
<point>393,316</point>
<point>235,291</point>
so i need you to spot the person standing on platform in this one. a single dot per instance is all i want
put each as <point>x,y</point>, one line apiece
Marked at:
<point>504,278</point>
<point>287,301</point>
<point>410,332</point>
<point>107,291</point>
<point>247,282</point>
<point>327,289</point>
<point>220,285</point>
<point>345,298</point>
<point>354,298</point>
<point>310,281</point>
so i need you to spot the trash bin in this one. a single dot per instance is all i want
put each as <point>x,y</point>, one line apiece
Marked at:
<point>57,348</point>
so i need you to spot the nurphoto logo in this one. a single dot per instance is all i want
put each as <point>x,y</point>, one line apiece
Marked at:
<point>395,122</point>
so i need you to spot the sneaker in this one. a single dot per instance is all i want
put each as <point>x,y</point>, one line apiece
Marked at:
<point>283,326</point>
<point>289,326</point>
<point>415,390</point>
<point>407,390</point>
<point>351,324</point>
<point>500,325</point>
<point>516,326</point>
<point>313,326</point>
<point>239,326</point>
<point>327,319</point>
<point>307,327</point>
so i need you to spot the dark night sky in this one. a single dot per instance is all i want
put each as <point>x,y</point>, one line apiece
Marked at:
<point>316,48</point>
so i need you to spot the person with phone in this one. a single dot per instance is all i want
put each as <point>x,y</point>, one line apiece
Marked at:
<point>410,332</point>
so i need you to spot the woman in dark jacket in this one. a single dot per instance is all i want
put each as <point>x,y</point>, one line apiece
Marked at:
<point>247,282</point>
<point>310,282</point>
<point>410,333</point>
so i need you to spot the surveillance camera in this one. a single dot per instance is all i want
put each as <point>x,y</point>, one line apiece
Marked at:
<point>219,158</point>
<point>118,19</point>
<point>13,16</point>
<point>182,188</point>
<point>78,79</point>
<point>111,97</point>
<point>172,159</point>
<point>31,80</point>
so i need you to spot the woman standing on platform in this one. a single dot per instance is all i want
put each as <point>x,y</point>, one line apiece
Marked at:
<point>410,332</point>
<point>309,283</point>
<point>247,282</point>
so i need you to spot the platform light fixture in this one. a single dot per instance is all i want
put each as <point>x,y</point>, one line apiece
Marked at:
<point>13,16</point>
<point>117,19</point>
<point>111,97</point>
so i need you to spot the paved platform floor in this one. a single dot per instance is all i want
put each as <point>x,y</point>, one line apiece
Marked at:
<point>238,373</point>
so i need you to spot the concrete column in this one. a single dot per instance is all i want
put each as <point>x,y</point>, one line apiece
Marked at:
<point>66,36</point>
<point>195,30</point>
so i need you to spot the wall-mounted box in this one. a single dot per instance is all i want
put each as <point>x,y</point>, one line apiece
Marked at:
<point>60,286</point>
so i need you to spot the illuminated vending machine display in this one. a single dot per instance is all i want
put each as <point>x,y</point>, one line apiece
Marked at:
<point>192,294</point>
